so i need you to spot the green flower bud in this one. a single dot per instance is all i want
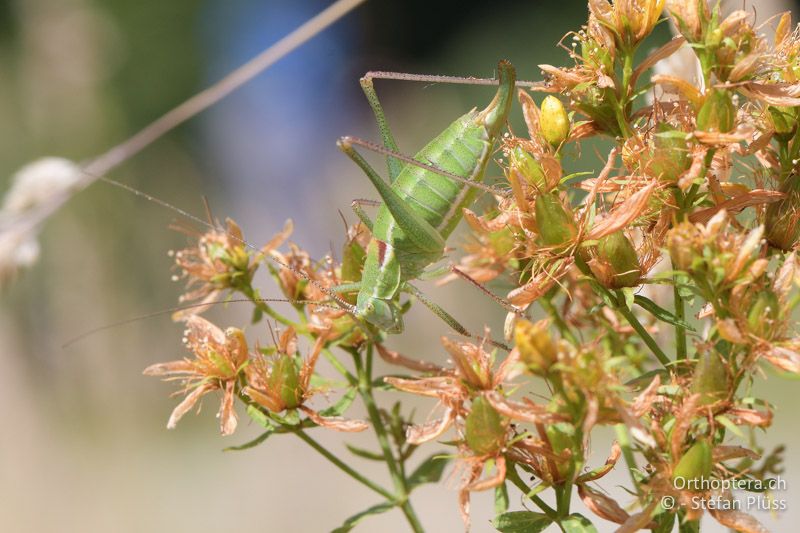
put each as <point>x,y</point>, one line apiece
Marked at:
<point>617,264</point>
<point>485,431</point>
<point>784,121</point>
<point>556,225</point>
<point>285,380</point>
<point>595,103</point>
<point>680,243</point>
<point>782,221</point>
<point>714,37</point>
<point>717,113</point>
<point>528,167</point>
<point>536,347</point>
<point>763,314</point>
<point>669,157</point>
<point>561,437</point>
<point>593,53</point>
<point>502,241</point>
<point>695,465</point>
<point>554,121</point>
<point>710,378</point>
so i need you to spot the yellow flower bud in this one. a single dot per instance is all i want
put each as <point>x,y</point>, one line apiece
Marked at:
<point>669,156</point>
<point>554,121</point>
<point>536,347</point>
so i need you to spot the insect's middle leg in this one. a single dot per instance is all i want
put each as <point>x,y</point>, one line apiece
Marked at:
<point>447,317</point>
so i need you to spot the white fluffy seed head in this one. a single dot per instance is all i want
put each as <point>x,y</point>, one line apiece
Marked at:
<point>39,181</point>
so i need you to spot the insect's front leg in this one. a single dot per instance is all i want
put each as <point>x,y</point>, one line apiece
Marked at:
<point>347,287</point>
<point>360,213</point>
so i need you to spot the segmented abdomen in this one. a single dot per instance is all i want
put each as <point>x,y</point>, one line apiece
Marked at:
<point>462,149</point>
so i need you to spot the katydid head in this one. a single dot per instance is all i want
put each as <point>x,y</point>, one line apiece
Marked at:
<point>383,314</point>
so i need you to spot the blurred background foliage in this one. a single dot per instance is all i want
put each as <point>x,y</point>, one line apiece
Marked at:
<point>83,445</point>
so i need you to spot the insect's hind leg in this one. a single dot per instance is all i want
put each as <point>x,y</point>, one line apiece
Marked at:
<point>425,236</point>
<point>394,165</point>
<point>447,317</point>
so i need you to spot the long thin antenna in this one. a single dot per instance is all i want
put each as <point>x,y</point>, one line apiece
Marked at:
<point>345,305</point>
<point>112,158</point>
<point>411,161</point>
<point>177,308</point>
<point>458,80</point>
<point>500,301</point>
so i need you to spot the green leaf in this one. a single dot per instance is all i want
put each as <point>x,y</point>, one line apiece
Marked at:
<point>429,471</point>
<point>321,382</point>
<point>576,523</point>
<point>258,416</point>
<point>660,313</point>
<point>252,444</point>
<point>642,381</point>
<point>728,423</point>
<point>366,454</point>
<point>291,418</point>
<point>664,522</point>
<point>629,295</point>
<point>521,522</point>
<point>258,314</point>
<point>351,522</point>
<point>341,406</point>
<point>500,499</point>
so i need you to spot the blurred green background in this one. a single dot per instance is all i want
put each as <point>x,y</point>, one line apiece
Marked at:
<point>83,445</point>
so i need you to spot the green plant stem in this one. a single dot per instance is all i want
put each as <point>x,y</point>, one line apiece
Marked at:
<point>563,328</point>
<point>343,466</point>
<point>400,484</point>
<point>624,441</point>
<point>513,476</point>
<point>621,104</point>
<point>335,363</point>
<point>627,74</point>
<point>250,294</point>
<point>642,332</point>
<point>627,314</point>
<point>680,314</point>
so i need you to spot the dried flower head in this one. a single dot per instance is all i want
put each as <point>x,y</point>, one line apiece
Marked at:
<point>219,357</point>
<point>282,382</point>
